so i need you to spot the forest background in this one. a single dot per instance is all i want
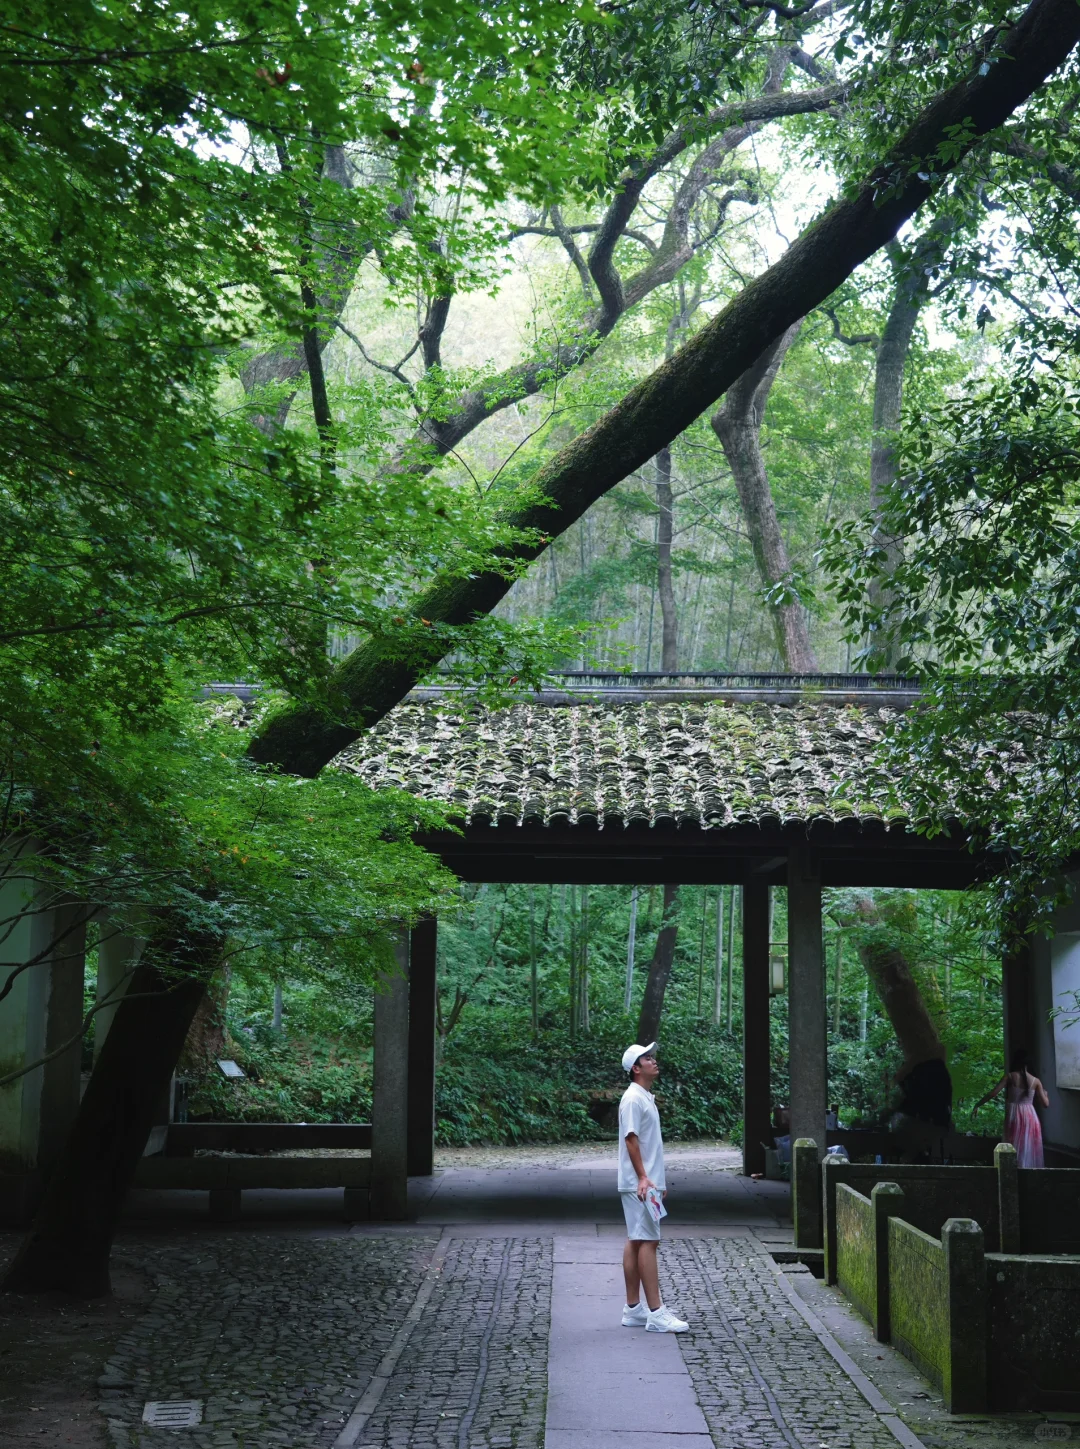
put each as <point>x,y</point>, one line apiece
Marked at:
<point>313,316</point>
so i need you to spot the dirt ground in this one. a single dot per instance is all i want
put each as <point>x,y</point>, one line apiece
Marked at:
<point>52,1350</point>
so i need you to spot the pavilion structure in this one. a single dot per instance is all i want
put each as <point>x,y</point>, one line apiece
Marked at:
<point>756,781</point>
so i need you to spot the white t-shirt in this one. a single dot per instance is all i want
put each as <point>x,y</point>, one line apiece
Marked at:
<point>638,1114</point>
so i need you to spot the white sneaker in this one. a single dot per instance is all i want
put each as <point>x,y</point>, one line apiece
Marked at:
<point>662,1320</point>
<point>635,1317</point>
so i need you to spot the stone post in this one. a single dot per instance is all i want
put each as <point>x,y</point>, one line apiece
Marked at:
<point>829,1169</point>
<point>887,1201</point>
<point>42,1012</point>
<point>807,1039</point>
<point>964,1378</point>
<point>1008,1198</point>
<point>422,988</point>
<point>806,1192</point>
<point>390,1092</point>
<point>757,1126</point>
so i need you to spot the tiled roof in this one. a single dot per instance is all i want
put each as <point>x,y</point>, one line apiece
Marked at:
<point>713,763</point>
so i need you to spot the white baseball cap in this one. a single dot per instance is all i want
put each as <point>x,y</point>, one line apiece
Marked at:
<point>631,1054</point>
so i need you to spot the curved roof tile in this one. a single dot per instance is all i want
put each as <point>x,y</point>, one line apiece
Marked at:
<point>712,764</point>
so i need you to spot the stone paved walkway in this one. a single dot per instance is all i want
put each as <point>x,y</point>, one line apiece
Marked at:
<point>492,1322</point>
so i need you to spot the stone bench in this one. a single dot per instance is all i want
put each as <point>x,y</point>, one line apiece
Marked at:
<point>184,1139</point>
<point>226,1178</point>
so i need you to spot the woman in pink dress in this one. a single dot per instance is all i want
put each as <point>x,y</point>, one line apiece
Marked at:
<point>1022,1091</point>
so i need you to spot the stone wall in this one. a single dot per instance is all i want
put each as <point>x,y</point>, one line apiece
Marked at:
<point>1049,1203</point>
<point>856,1254</point>
<point>919,1299</point>
<point>1034,1332</point>
<point>932,1195</point>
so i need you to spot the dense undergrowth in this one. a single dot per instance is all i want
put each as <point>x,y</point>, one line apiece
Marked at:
<point>501,1082</point>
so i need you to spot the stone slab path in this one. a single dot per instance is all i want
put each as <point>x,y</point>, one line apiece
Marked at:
<point>606,1382</point>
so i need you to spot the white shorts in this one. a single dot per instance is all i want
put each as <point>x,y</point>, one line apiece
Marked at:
<point>641,1226</point>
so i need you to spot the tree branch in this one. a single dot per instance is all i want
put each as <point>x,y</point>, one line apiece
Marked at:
<point>374,677</point>
<point>565,235</point>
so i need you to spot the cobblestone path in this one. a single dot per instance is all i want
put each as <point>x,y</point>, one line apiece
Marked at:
<point>264,1329</point>
<point>474,1371</point>
<point>281,1337</point>
<point>762,1378</point>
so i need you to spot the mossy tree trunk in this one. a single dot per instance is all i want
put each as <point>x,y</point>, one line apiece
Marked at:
<point>69,1245</point>
<point>738,426</point>
<point>881,952</point>
<point>663,958</point>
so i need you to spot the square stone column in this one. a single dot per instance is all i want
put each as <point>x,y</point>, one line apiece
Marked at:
<point>44,931</point>
<point>390,1092</point>
<point>422,988</point>
<point>757,1124</point>
<point>807,1032</point>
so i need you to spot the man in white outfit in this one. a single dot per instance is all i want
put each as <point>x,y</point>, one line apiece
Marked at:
<point>642,1189</point>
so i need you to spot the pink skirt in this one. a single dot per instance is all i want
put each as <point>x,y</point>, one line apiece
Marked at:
<point>1023,1131</point>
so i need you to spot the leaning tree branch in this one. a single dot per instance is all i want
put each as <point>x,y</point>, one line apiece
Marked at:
<point>374,677</point>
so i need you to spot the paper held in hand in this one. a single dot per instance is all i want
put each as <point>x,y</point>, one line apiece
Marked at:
<point>654,1201</point>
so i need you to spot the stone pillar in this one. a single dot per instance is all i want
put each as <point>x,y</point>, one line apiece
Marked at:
<point>806,1192</point>
<point>887,1201</point>
<point>390,1092</point>
<point>1016,1001</point>
<point>422,988</point>
<point>41,1013</point>
<point>807,1038</point>
<point>118,955</point>
<point>964,1379</point>
<point>1008,1198</point>
<point>757,1126</point>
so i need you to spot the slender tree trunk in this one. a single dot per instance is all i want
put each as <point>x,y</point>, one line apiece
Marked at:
<point>737,423</point>
<point>892,354</point>
<point>732,908</point>
<point>718,979</point>
<point>533,995</point>
<point>69,1244</point>
<point>665,587</point>
<point>663,958</point>
<point>630,944</point>
<point>573,985</point>
<point>584,970</point>
<point>701,955</point>
<point>838,978</point>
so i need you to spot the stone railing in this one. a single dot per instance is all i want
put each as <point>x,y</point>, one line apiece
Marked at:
<point>994,1330</point>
